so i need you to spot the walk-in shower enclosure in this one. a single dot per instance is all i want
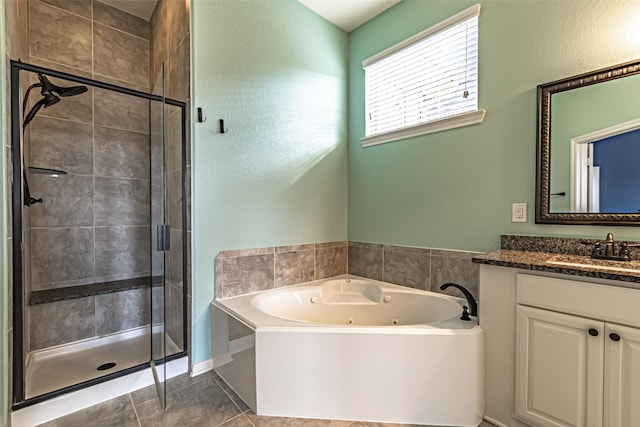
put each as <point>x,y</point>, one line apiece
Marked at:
<point>99,226</point>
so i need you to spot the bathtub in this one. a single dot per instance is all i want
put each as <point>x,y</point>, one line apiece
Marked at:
<point>350,348</point>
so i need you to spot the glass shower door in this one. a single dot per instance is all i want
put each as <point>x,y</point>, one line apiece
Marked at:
<point>160,243</point>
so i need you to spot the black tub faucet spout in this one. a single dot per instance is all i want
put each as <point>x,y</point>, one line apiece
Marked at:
<point>473,305</point>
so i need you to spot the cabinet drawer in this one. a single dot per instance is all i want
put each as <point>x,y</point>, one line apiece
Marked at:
<point>608,303</point>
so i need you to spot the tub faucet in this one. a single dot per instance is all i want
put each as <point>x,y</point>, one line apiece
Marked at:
<point>473,305</point>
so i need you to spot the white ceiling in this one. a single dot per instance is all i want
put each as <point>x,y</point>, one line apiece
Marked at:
<point>140,8</point>
<point>346,14</point>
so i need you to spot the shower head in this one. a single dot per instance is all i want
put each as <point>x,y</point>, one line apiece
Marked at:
<point>47,101</point>
<point>50,96</point>
<point>48,87</point>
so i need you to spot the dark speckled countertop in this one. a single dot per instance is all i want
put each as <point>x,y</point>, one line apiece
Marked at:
<point>559,255</point>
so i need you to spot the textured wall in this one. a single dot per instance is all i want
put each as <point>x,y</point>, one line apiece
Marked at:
<point>276,73</point>
<point>454,189</point>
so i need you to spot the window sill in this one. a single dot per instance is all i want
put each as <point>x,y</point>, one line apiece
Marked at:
<point>460,120</point>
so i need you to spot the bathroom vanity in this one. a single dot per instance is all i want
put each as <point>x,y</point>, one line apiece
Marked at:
<point>562,339</point>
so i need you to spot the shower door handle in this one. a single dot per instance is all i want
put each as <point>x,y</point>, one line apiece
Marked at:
<point>163,233</point>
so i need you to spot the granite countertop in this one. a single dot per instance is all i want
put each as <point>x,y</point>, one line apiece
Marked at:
<point>554,255</point>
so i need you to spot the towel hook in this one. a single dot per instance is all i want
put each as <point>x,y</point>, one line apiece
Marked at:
<point>222,128</point>
<point>200,118</point>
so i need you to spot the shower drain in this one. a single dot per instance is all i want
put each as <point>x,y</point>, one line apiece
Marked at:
<point>106,366</point>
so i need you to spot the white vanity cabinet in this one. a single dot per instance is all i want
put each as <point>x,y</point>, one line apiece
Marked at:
<point>577,353</point>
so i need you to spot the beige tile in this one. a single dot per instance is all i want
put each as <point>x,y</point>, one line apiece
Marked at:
<point>178,22</point>
<point>121,153</point>
<point>61,322</point>
<point>365,260</point>
<point>158,46</point>
<point>115,412</point>
<point>407,267</point>
<point>53,247</point>
<point>122,252</point>
<point>60,36</point>
<point>245,274</point>
<point>294,267</point>
<point>61,144</point>
<point>120,55</point>
<point>120,311</point>
<point>178,81</point>
<point>118,19</point>
<point>121,111</point>
<point>202,404</point>
<point>456,267</point>
<point>79,7</point>
<point>330,261</point>
<point>173,199</point>
<point>67,200</point>
<point>173,137</point>
<point>120,201</point>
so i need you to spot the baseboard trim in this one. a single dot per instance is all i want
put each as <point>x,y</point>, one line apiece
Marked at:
<point>201,367</point>
<point>494,422</point>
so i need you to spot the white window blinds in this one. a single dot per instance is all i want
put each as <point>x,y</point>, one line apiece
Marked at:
<point>429,77</point>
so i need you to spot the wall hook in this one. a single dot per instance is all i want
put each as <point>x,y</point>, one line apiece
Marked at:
<point>222,128</point>
<point>200,118</point>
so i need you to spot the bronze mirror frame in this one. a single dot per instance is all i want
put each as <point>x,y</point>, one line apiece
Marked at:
<point>543,155</point>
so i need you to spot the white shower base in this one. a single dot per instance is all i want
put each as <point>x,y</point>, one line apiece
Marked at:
<point>55,368</point>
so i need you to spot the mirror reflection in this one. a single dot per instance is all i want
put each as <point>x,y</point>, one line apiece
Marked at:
<point>588,169</point>
<point>595,149</point>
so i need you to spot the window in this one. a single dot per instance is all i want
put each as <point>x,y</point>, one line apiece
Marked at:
<point>426,83</point>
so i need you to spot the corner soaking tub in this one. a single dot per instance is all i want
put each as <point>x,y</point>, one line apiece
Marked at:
<point>352,349</point>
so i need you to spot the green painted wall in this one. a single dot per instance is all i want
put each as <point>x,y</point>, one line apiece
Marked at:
<point>454,189</point>
<point>276,73</point>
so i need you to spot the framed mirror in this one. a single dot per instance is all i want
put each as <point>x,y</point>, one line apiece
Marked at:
<point>588,149</point>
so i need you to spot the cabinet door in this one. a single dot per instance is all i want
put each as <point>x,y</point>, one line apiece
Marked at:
<point>622,376</point>
<point>559,368</point>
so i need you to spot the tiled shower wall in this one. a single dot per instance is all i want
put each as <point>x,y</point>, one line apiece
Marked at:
<point>170,45</point>
<point>240,272</point>
<point>93,225</point>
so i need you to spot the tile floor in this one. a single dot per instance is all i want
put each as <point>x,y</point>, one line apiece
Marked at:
<point>201,401</point>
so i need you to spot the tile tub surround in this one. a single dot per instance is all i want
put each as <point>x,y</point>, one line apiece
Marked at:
<point>534,252</point>
<point>240,272</point>
<point>420,268</point>
<point>244,271</point>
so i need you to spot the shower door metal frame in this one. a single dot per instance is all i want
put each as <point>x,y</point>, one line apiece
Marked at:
<point>18,399</point>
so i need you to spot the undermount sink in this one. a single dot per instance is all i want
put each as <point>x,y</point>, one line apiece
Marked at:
<point>586,262</point>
